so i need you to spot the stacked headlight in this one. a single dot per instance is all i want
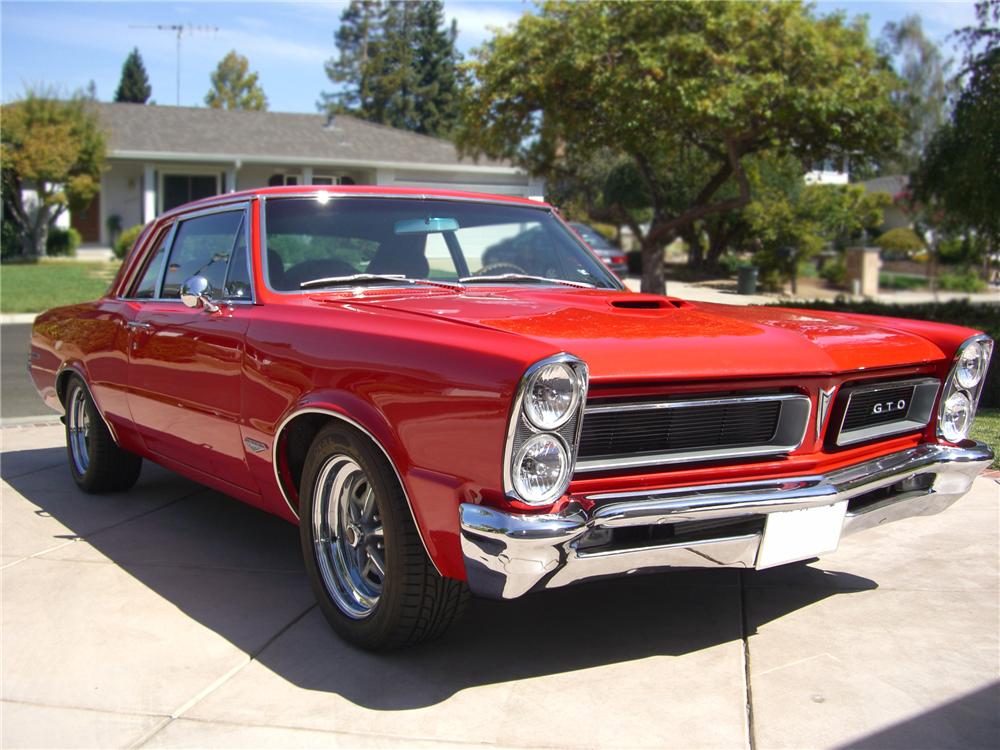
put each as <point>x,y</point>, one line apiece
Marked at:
<point>963,388</point>
<point>545,430</point>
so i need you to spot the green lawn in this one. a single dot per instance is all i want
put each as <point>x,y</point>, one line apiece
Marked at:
<point>987,429</point>
<point>34,287</point>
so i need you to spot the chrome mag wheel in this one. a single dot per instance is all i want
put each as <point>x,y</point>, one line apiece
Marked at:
<point>348,535</point>
<point>78,424</point>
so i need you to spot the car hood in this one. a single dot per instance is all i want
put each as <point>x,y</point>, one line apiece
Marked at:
<point>624,336</point>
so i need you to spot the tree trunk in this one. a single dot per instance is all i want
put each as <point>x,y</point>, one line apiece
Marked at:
<point>696,255</point>
<point>653,281</point>
<point>718,240</point>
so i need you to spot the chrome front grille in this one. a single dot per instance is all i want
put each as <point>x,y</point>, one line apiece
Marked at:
<point>871,411</point>
<point>642,433</point>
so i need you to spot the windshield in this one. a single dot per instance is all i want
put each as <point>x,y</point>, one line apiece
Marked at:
<point>308,239</point>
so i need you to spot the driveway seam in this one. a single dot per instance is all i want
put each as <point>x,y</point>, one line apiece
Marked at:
<point>222,680</point>
<point>98,531</point>
<point>745,632</point>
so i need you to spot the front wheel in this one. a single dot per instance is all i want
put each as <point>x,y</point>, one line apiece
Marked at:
<point>95,460</point>
<point>366,564</point>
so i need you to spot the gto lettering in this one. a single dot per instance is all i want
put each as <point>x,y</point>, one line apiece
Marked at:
<point>887,406</point>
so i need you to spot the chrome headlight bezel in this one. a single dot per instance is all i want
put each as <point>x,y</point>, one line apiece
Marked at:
<point>521,427</point>
<point>952,385</point>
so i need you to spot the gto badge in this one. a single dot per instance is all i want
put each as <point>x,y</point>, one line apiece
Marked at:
<point>887,406</point>
<point>255,445</point>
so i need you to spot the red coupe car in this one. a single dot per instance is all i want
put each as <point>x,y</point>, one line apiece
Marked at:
<point>450,392</point>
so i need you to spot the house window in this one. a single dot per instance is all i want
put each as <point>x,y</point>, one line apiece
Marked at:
<point>179,189</point>
<point>277,180</point>
<point>324,180</point>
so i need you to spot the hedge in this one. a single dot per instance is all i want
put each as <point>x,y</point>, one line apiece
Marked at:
<point>984,318</point>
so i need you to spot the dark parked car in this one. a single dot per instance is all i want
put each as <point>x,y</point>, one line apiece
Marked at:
<point>613,257</point>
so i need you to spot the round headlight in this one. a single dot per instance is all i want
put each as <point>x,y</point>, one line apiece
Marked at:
<point>956,417</point>
<point>551,395</point>
<point>541,468</point>
<point>971,365</point>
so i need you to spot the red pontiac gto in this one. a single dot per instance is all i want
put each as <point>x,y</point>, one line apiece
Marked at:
<point>449,392</point>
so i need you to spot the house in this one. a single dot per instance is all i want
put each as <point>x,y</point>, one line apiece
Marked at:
<point>895,186</point>
<point>160,157</point>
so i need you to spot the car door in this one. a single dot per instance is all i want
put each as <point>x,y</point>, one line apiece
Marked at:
<point>186,364</point>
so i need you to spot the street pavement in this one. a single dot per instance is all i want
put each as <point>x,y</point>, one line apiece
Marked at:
<point>18,397</point>
<point>172,616</point>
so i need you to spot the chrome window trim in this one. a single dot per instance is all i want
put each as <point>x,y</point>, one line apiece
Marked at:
<point>515,421</point>
<point>925,391</point>
<point>178,219</point>
<point>136,278</point>
<point>793,441</point>
<point>544,207</point>
<point>358,426</point>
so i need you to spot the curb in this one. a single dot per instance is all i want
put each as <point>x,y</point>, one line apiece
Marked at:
<point>44,420</point>
<point>15,318</point>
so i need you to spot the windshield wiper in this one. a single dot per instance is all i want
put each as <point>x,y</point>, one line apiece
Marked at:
<point>523,277</point>
<point>367,278</point>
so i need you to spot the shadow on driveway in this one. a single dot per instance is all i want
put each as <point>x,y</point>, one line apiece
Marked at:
<point>559,631</point>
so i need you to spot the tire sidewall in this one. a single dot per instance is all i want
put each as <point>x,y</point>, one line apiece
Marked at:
<point>373,629</point>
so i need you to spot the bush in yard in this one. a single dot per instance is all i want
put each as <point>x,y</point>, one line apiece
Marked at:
<point>965,280</point>
<point>126,239</point>
<point>900,242</point>
<point>10,239</point>
<point>834,271</point>
<point>62,242</point>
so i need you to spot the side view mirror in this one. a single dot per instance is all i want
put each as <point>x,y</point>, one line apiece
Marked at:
<point>195,293</point>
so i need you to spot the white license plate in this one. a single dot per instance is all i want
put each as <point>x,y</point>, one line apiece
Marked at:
<point>800,534</point>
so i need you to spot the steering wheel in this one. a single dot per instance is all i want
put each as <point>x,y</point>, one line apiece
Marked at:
<point>496,269</point>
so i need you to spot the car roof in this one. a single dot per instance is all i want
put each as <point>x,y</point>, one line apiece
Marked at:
<point>367,191</point>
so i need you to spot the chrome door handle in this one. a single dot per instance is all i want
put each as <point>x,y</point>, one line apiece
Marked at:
<point>137,324</point>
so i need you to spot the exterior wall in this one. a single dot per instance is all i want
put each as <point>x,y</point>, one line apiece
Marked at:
<point>121,196</point>
<point>502,184</point>
<point>133,190</point>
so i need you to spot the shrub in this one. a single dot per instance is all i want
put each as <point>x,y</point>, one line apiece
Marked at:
<point>834,271</point>
<point>965,280</point>
<point>62,242</point>
<point>10,240</point>
<point>958,312</point>
<point>126,239</point>
<point>900,242</point>
<point>901,281</point>
<point>607,231</point>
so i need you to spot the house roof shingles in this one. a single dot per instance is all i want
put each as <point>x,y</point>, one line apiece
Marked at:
<point>220,134</point>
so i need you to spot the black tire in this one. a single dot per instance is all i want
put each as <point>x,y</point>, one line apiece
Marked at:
<point>414,603</point>
<point>95,460</point>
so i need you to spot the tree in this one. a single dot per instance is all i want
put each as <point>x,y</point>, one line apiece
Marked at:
<point>926,93</point>
<point>958,175</point>
<point>396,65</point>
<point>234,87</point>
<point>436,61</point>
<point>56,149</point>
<point>134,85</point>
<point>663,84</point>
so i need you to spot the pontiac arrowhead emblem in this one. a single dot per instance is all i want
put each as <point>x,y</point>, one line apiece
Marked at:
<point>824,401</point>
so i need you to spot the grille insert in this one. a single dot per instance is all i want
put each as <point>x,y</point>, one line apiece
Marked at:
<point>644,434</point>
<point>873,411</point>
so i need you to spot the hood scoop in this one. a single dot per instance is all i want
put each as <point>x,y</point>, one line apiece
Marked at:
<point>647,303</point>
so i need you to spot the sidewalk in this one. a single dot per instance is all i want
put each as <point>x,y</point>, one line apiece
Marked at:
<point>172,616</point>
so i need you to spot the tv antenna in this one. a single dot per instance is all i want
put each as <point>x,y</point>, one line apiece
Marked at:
<point>179,29</point>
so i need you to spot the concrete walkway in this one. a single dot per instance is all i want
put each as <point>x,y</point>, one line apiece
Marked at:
<point>171,616</point>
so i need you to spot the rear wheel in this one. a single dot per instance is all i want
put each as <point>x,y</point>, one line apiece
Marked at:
<point>367,566</point>
<point>95,460</point>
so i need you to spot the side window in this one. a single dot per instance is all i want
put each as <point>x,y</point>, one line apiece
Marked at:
<point>238,280</point>
<point>146,288</point>
<point>202,248</point>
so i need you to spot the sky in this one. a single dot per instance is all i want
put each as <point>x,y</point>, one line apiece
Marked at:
<point>65,45</point>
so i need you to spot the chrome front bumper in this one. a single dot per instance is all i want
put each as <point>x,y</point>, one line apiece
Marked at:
<point>507,555</point>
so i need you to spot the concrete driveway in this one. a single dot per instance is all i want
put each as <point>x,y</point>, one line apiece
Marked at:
<point>171,616</point>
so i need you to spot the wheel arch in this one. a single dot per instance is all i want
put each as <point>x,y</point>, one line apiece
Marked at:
<point>287,460</point>
<point>63,376</point>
